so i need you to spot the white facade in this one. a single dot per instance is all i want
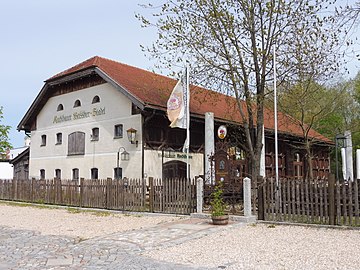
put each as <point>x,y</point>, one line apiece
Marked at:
<point>112,109</point>
<point>154,161</point>
<point>6,170</point>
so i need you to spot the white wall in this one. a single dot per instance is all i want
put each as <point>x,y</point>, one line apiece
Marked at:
<point>114,109</point>
<point>6,170</point>
<point>153,163</point>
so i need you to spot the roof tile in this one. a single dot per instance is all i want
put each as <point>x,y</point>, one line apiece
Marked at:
<point>154,89</point>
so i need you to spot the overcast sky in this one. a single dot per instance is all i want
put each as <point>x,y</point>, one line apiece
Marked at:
<point>39,38</point>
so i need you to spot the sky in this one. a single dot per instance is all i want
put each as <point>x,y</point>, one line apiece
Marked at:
<point>40,38</point>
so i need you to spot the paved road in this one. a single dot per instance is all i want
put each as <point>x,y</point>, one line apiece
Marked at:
<point>22,249</point>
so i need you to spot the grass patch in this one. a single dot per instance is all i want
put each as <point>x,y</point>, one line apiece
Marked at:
<point>15,204</point>
<point>100,213</point>
<point>73,210</point>
<point>24,204</point>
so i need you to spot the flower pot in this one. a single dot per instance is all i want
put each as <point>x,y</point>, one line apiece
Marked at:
<point>220,220</point>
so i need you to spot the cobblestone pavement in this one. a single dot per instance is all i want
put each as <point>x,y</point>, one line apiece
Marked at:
<point>22,249</point>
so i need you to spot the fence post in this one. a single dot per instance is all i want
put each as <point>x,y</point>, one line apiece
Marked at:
<point>247,197</point>
<point>108,192</point>
<point>199,194</point>
<point>81,192</point>
<point>332,214</point>
<point>32,190</point>
<point>260,185</point>
<point>151,194</point>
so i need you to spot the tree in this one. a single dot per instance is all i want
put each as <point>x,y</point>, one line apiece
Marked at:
<point>309,103</point>
<point>229,46</point>
<point>315,58</point>
<point>4,136</point>
<point>346,115</point>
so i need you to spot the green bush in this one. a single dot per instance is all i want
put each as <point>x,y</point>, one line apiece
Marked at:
<point>217,203</point>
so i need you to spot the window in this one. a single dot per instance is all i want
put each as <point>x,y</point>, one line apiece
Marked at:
<point>95,134</point>
<point>42,174</point>
<point>236,153</point>
<point>43,140</point>
<point>58,174</point>
<point>75,174</point>
<point>118,173</point>
<point>118,131</point>
<point>60,107</point>
<point>96,99</point>
<point>59,138</point>
<point>76,143</point>
<point>77,103</point>
<point>94,173</point>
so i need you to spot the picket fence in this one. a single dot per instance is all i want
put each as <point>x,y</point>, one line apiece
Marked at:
<point>310,201</point>
<point>176,196</point>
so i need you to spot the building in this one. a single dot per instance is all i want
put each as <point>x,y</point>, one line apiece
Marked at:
<point>7,169</point>
<point>104,119</point>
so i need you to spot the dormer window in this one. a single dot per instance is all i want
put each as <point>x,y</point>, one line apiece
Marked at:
<point>77,103</point>
<point>60,107</point>
<point>96,99</point>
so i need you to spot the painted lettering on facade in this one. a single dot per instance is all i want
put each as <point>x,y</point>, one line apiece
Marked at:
<point>160,155</point>
<point>61,118</point>
<point>78,115</point>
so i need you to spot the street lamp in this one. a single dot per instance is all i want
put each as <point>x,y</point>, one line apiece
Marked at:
<point>124,156</point>
<point>337,138</point>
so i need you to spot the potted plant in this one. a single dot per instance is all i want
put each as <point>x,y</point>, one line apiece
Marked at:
<point>218,215</point>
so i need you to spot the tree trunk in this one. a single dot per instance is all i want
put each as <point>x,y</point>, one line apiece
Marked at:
<point>309,172</point>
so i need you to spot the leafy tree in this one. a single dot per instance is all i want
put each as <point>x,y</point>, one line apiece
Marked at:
<point>4,136</point>
<point>309,103</point>
<point>346,115</point>
<point>229,46</point>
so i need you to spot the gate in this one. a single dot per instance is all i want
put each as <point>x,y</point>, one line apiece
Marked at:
<point>230,170</point>
<point>172,196</point>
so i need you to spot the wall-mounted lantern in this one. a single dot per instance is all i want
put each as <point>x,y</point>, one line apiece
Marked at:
<point>131,133</point>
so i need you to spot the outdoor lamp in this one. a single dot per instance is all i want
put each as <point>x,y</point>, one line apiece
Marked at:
<point>125,155</point>
<point>131,133</point>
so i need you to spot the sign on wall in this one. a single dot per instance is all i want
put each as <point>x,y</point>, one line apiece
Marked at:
<point>79,115</point>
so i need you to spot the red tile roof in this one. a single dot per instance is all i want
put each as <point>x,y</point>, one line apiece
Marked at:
<point>152,89</point>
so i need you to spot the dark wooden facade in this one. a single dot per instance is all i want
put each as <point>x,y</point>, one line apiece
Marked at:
<point>21,165</point>
<point>158,135</point>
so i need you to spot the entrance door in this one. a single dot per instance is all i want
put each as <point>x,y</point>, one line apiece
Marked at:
<point>174,169</point>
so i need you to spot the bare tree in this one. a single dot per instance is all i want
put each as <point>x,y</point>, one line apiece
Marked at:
<point>229,46</point>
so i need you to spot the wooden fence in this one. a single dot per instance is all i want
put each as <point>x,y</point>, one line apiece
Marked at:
<point>169,196</point>
<point>315,201</point>
<point>172,195</point>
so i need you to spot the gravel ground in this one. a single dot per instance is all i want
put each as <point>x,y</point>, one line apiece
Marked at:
<point>260,246</point>
<point>264,246</point>
<point>74,223</point>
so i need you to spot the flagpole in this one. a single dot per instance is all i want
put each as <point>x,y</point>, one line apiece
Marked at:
<point>187,122</point>
<point>276,124</point>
